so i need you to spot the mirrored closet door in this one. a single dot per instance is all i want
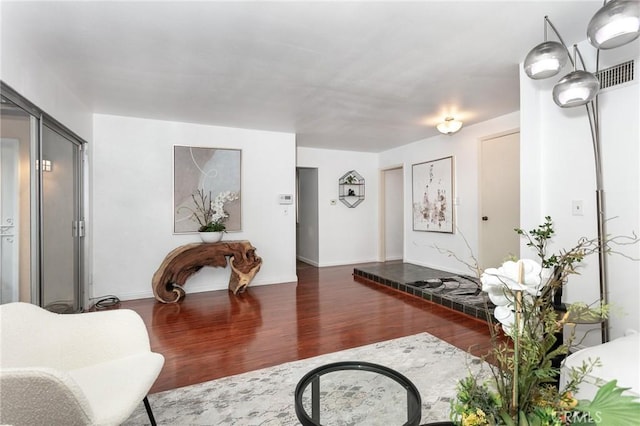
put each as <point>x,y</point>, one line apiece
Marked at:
<point>19,133</point>
<point>61,226</point>
<point>41,215</point>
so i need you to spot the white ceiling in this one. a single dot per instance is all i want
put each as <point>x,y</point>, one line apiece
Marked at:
<point>364,76</point>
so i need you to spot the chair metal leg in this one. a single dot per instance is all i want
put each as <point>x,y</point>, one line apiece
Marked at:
<point>149,412</point>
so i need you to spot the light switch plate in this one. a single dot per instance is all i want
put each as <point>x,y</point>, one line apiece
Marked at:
<point>576,208</point>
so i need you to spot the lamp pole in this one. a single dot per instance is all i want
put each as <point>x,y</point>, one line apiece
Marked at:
<point>593,113</point>
<point>594,124</point>
<point>615,24</point>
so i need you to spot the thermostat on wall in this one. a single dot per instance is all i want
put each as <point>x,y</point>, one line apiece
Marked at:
<point>285,199</point>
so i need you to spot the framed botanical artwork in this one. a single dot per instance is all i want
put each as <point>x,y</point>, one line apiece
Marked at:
<point>211,171</point>
<point>432,187</point>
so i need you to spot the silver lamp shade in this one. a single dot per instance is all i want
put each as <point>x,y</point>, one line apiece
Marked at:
<point>615,24</point>
<point>545,60</point>
<point>575,89</point>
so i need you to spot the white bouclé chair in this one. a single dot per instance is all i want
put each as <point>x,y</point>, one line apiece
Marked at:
<point>618,359</point>
<point>79,369</point>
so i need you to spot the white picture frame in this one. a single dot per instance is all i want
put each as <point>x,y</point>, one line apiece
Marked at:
<point>432,188</point>
<point>213,170</point>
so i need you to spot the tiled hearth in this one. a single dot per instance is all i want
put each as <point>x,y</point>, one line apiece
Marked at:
<point>459,292</point>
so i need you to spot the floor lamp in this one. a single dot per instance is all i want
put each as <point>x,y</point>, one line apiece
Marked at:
<point>615,24</point>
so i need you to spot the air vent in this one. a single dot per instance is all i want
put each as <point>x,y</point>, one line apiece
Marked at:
<point>613,76</point>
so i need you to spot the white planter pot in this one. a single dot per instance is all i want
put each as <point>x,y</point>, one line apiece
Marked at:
<point>211,237</point>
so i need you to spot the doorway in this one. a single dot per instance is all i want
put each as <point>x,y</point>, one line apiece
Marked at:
<point>392,217</point>
<point>499,198</point>
<point>307,216</point>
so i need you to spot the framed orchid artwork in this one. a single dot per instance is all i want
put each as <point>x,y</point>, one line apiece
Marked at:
<point>432,186</point>
<point>208,171</point>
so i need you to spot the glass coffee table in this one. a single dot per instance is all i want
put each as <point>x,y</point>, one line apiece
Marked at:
<point>355,392</point>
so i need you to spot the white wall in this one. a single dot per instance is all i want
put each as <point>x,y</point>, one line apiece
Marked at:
<point>557,166</point>
<point>25,72</point>
<point>347,235</point>
<point>419,247</point>
<point>132,194</point>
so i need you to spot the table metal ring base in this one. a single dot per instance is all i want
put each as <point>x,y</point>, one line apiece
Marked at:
<point>414,402</point>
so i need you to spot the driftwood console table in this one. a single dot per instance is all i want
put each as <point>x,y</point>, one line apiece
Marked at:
<point>188,259</point>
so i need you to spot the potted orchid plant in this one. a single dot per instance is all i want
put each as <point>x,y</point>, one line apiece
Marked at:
<point>209,213</point>
<point>523,386</point>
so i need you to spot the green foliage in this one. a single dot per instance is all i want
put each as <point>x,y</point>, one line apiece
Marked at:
<point>475,405</point>
<point>610,407</point>
<point>537,239</point>
<point>523,391</point>
<point>212,227</point>
<point>563,262</point>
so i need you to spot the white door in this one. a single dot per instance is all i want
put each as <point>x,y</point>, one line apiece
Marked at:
<point>499,199</point>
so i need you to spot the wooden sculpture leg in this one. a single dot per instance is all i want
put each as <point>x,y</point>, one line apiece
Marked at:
<point>243,272</point>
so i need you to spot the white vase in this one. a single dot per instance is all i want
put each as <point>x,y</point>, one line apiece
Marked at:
<point>211,237</point>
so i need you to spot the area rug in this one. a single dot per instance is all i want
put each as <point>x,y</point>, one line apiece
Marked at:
<point>266,397</point>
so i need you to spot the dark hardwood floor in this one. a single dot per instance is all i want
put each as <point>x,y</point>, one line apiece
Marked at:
<point>216,334</point>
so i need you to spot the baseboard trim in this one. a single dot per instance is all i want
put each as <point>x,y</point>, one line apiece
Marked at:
<point>220,286</point>
<point>309,261</point>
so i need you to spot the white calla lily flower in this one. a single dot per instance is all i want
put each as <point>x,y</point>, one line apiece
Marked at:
<point>497,296</point>
<point>501,283</point>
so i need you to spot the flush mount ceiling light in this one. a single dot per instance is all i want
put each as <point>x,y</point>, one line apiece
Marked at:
<point>449,126</point>
<point>615,24</point>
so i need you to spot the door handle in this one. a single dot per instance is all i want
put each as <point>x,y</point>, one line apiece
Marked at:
<point>485,218</point>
